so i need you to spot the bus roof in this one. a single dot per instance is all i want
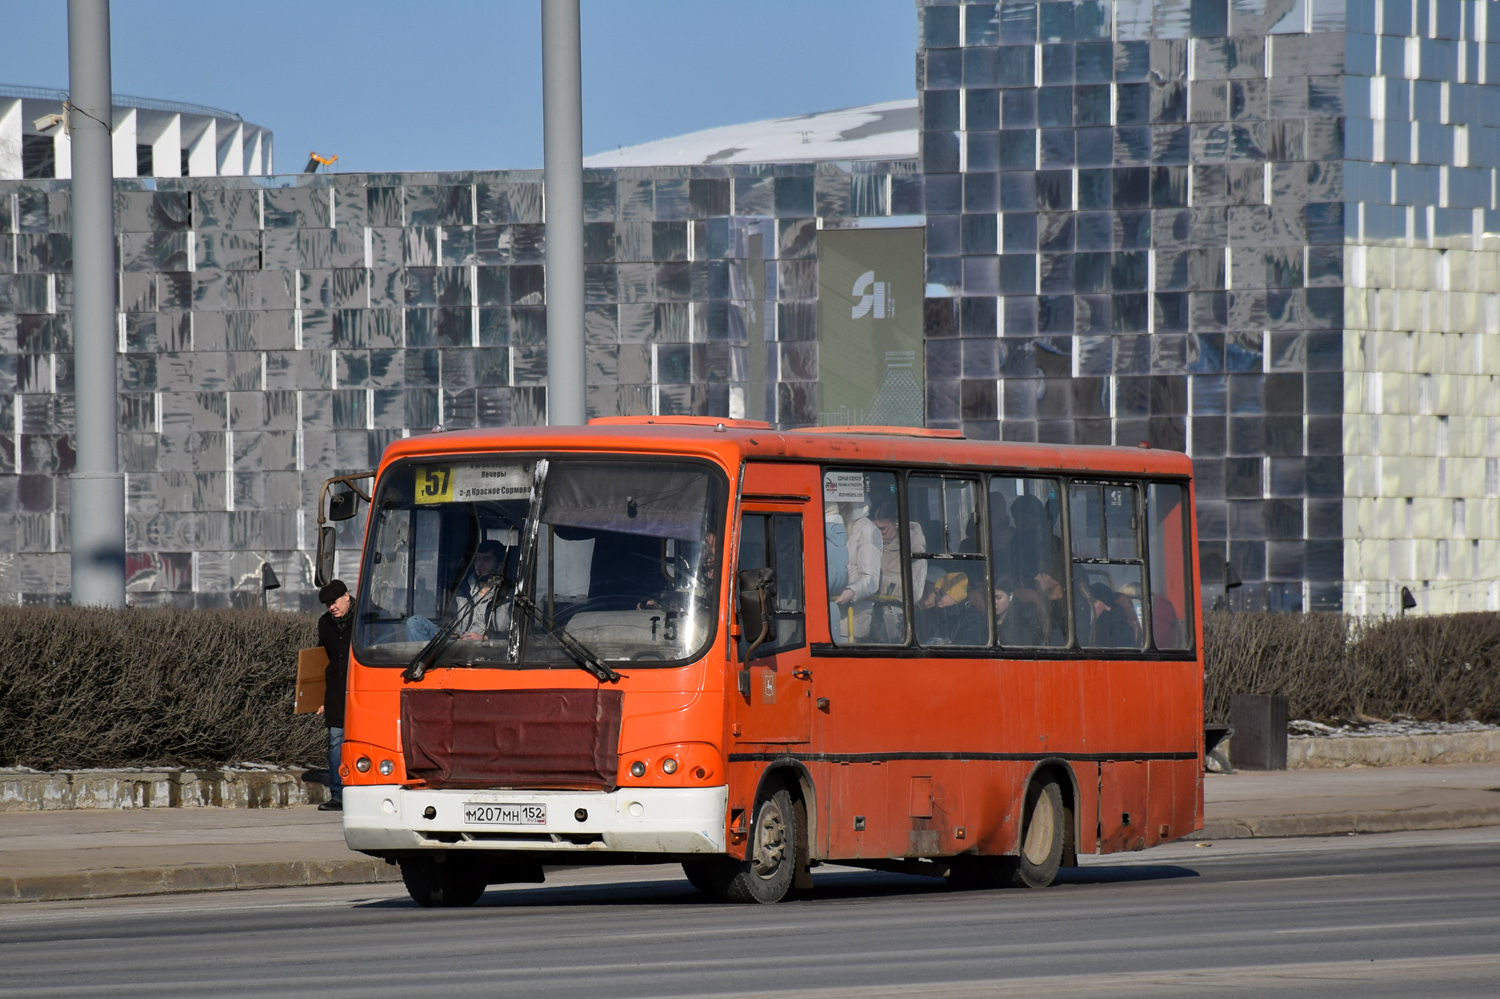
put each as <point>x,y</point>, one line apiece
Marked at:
<point>730,441</point>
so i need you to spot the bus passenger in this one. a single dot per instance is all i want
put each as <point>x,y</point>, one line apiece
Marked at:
<point>1166,625</point>
<point>1018,614</point>
<point>1112,627</point>
<point>1048,583</point>
<point>893,613</point>
<point>1034,542</point>
<point>836,562</point>
<point>947,615</point>
<point>688,591</point>
<point>855,604</point>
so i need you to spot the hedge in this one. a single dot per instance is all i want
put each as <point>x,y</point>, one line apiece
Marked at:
<point>152,688</point>
<point>156,687</point>
<point>1333,667</point>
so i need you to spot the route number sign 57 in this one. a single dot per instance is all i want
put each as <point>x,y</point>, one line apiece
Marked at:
<point>434,484</point>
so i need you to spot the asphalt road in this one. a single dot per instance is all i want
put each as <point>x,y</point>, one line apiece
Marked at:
<point>1404,914</point>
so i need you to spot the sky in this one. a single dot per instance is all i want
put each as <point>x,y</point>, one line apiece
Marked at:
<point>456,84</point>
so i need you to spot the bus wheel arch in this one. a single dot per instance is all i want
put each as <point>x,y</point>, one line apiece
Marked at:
<point>794,776</point>
<point>776,853</point>
<point>1067,780</point>
<point>1048,836</point>
<point>797,779</point>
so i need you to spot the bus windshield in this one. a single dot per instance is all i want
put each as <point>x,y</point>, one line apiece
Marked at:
<point>622,555</point>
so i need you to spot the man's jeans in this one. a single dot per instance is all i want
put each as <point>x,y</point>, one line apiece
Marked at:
<point>335,752</point>
<point>420,629</point>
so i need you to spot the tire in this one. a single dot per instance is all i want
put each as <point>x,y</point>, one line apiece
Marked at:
<point>453,884</point>
<point>1042,835</point>
<point>708,876</point>
<point>765,876</point>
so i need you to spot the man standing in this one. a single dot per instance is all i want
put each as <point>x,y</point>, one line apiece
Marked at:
<point>334,633</point>
<point>862,578</point>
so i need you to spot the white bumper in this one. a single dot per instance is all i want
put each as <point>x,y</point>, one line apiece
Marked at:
<point>629,820</point>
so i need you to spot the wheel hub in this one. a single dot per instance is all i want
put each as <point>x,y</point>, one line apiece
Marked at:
<point>1039,833</point>
<point>770,841</point>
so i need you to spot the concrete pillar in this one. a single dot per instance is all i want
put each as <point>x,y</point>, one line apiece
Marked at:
<point>122,143</point>
<point>10,139</point>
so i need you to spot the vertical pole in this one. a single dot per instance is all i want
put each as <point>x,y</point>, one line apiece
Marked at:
<point>97,524</point>
<point>562,127</point>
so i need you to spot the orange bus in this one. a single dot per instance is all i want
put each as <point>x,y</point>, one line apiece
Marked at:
<point>754,651</point>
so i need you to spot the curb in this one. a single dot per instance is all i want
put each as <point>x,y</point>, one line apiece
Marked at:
<point>1349,823</point>
<point>195,877</point>
<point>29,791</point>
<point>1439,748</point>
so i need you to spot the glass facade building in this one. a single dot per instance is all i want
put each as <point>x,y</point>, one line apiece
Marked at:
<point>1265,232</point>
<point>277,331</point>
<point>1261,231</point>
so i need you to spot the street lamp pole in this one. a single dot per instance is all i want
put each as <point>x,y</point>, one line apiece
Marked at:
<point>97,494</point>
<point>562,125</point>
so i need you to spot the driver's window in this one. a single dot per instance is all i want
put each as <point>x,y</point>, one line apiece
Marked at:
<point>774,541</point>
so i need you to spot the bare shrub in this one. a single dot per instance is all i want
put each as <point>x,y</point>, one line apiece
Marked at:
<point>87,687</point>
<point>1334,667</point>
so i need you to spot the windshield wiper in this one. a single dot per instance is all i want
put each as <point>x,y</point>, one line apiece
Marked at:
<point>439,643</point>
<point>582,654</point>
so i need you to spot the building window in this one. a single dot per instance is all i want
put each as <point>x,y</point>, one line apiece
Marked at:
<point>144,164</point>
<point>38,156</point>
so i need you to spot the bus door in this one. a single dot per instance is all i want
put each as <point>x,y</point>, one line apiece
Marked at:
<point>777,507</point>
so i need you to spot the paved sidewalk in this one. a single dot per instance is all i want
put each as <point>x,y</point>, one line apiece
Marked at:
<point>1331,802</point>
<point>97,853</point>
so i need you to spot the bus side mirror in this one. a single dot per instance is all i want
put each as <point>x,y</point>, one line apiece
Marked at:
<point>327,542</point>
<point>757,603</point>
<point>343,505</point>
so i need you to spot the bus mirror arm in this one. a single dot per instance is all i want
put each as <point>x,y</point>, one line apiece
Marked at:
<point>757,598</point>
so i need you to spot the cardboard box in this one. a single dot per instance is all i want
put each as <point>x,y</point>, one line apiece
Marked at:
<point>310,680</point>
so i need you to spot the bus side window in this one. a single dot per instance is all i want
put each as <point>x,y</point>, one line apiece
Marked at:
<point>1026,551</point>
<point>869,606</point>
<point>1108,582</point>
<point>1171,624</point>
<point>950,587</point>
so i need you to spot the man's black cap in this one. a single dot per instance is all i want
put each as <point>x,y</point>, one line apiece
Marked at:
<point>332,592</point>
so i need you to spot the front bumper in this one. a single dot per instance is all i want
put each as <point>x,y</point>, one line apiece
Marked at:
<point>669,820</point>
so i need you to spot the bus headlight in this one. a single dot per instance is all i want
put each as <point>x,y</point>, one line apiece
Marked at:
<point>362,764</point>
<point>669,765</point>
<point>638,769</point>
<point>387,768</point>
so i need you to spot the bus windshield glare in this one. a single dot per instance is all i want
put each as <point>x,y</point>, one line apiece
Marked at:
<point>622,555</point>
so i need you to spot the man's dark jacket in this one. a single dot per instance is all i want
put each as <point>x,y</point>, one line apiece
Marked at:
<point>333,635</point>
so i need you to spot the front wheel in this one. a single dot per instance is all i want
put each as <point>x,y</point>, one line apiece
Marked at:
<point>766,874</point>
<point>454,883</point>
<point>1042,835</point>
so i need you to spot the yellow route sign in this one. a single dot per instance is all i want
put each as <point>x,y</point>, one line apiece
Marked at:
<point>434,484</point>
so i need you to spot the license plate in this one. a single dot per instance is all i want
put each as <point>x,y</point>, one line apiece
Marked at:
<point>488,814</point>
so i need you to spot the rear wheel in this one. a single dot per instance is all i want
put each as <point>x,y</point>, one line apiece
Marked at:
<point>766,874</point>
<point>454,882</point>
<point>1042,835</point>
